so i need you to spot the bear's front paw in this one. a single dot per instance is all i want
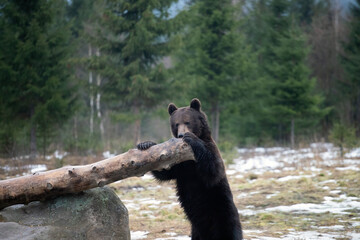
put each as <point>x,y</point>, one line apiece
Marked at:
<point>189,137</point>
<point>145,145</point>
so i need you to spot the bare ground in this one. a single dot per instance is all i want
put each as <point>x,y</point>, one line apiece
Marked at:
<point>301,198</point>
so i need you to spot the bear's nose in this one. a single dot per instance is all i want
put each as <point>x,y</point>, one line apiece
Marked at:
<point>180,135</point>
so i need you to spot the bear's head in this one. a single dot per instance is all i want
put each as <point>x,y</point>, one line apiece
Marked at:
<point>189,119</point>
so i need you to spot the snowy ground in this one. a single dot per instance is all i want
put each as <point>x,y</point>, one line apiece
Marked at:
<point>280,193</point>
<point>308,193</point>
<point>16,167</point>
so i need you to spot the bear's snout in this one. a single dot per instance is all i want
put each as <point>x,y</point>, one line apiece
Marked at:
<point>182,129</point>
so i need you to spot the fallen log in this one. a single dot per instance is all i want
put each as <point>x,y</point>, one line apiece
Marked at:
<point>74,179</point>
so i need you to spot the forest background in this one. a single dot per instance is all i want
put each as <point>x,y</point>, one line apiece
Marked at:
<point>87,76</point>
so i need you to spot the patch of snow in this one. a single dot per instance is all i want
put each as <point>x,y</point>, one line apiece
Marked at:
<point>253,193</point>
<point>37,168</point>
<point>23,157</point>
<point>150,201</point>
<point>108,154</point>
<point>171,234</point>
<point>230,172</point>
<point>147,176</point>
<point>340,205</point>
<point>247,212</point>
<point>157,187</point>
<point>354,168</point>
<point>355,224</point>
<point>329,155</point>
<point>288,178</point>
<point>289,169</point>
<point>313,169</point>
<point>251,231</point>
<point>170,205</point>
<point>7,168</point>
<point>351,162</point>
<point>354,235</point>
<point>130,205</point>
<point>239,176</point>
<point>242,195</point>
<point>138,235</point>
<point>57,155</point>
<point>311,235</point>
<point>334,227</point>
<point>242,150</point>
<point>175,238</point>
<point>334,205</point>
<point>272,195</point>
<point>60,155</point>
<point>256,163</point>
<point>328,181</point>
<point>322,145</point>
<point>355,153</point>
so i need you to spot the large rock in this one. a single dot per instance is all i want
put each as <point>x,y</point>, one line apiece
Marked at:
<point>94,214</point>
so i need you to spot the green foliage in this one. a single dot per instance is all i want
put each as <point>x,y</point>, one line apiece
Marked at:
<point>210,47</point>
<point>228,151</point>
<point>35,79</point>
<point>139,33</point>
<point>343,136</point>
<point>351,63</point>
<point>286,76</point>
<point>247,62</point>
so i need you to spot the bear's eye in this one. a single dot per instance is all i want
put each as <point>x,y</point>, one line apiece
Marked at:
<point>187,123</point>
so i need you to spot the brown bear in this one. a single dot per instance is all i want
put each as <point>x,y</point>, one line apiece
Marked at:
<point>202,186</point>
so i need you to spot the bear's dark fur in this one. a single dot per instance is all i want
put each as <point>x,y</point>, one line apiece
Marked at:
<point>202,186</point>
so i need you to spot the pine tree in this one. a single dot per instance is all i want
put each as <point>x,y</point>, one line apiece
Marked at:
<point>306,10</point>
<point>209,55</point>
<point>292,95</point>
<point>133,39</point>
<point>86,16</point>
<point>351,63</point>
<point>34,76</point>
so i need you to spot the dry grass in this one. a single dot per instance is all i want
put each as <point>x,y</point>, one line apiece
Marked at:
<point>249,193</point>
<point>153,207</point>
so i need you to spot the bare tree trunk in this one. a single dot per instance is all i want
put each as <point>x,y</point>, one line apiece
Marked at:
<point>215,121</point>
<point>73,179</point>
<point>336,25</point>
<point>33,141</point>
<point>292,137</point>
<point>91,96</point>
<point>75,133</point>
<point>137,125</point>
<point>357,118</point>
<point>98,98</point>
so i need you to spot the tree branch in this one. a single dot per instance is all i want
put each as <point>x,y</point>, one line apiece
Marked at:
<point>73,179</point>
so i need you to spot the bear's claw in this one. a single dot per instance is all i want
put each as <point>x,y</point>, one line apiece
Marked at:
<point>145,145</point>
<point>189,137</point>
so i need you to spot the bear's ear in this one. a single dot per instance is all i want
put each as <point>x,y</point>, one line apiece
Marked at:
<point>172,108</point>
<point>195,104</point>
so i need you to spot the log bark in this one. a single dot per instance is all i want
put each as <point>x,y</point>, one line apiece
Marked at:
<point>74,179</point>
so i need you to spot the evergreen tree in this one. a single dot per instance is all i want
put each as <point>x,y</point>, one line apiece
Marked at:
<point>133,39</point>
<point>292,95</point>
<point>34,76</point>
<point>351,63</point>
<point>306,10</point>
<point>209,55</point>
<point>86,16</point>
